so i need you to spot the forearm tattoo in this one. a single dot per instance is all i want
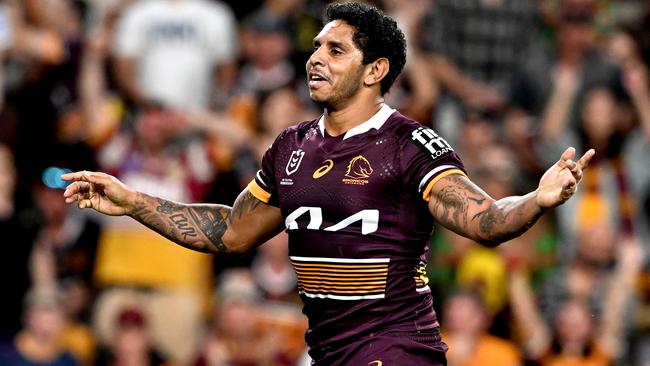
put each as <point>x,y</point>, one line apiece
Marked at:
<point>212,223</point>
<point>198,227</point>
<point>495,221</point>
<point>507,218</point>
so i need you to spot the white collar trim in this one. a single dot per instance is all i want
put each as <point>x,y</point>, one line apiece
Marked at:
<point>376,121</point>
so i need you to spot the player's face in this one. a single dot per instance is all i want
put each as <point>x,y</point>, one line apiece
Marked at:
<point>335,70</point>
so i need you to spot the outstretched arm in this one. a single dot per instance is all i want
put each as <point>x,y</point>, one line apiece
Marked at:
<point>461,206</point>
<point>202,227</point>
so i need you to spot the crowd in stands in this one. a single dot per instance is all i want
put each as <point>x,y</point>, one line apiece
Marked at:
<point>180,98</point>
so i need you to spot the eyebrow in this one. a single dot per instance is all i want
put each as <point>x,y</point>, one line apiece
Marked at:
<point>330,43</point>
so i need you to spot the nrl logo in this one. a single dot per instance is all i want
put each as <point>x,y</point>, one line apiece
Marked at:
<point>358,172</point>
<point>294,161</point>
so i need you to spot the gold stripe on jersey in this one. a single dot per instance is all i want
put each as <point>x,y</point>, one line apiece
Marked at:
<point>426,194</point>
<point>258,192</point>
<point>341,278</point>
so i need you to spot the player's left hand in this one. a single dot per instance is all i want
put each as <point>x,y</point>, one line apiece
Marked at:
<point>560,181</point>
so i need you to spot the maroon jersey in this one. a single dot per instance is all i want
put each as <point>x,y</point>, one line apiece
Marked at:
<point>355,208</point>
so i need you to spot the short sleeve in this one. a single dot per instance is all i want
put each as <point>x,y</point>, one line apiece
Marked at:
<point>264,187</point>
<point>427,158</point>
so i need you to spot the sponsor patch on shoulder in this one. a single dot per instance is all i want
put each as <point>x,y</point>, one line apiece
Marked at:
<point>427,139</point>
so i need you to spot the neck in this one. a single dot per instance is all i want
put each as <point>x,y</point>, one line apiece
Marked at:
<point>341,120</point>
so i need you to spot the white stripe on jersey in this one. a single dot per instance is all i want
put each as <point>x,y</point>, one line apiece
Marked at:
<point>340,260</point>
<point>342,297</point>
<point>259,177</point>
<point>438,169</point>
<point>423,289</point>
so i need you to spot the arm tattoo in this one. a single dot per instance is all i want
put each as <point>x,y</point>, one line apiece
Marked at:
<point>507,218</point>
<point>495,221</point>
<point>212,223</point>
<point>454,201</point>
<point>184,224</point>
<point>245,203</point>
<point>177,218</point>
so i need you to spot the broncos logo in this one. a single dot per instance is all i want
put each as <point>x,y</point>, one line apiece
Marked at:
<point>359,168</point>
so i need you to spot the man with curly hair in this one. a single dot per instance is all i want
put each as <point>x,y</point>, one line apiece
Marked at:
<point>358,190</point>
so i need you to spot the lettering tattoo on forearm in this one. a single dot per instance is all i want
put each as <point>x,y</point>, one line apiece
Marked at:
<point>182,223</point>
<point>177,217</point>
<point>196,226</point>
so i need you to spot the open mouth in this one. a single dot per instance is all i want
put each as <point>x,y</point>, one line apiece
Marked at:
<point>315,79</point>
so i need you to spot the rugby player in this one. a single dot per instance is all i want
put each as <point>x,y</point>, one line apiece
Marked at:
<point>358,191</point>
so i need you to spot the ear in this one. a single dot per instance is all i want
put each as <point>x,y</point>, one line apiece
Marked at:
<point>376,71</point>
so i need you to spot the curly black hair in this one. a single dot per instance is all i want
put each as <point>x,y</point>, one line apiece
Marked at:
<point>377,35</point>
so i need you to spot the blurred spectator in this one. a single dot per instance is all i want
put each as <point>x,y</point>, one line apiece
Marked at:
<point>238,328</point>
<point>277,111</point>
<point>67,237</point>
<point>585,275</point>
<point>130,257</point>
<point>467,321</point>
<point>131,342</point>
<point>102,105</point>
<point>18,226</point>
<point>477,133</point>
<point>624,45</point>
<point>63,256</point>
<point>273,272</point>
<point>416,90</point>
<point>607,193</point>
<point>39,342</point>
<point>474,45</point>
<point>176,52</point>
<point>303,19</point>
<point>563,73</point>
<point>42,88</point>
<point>578,334</point>
<point>267,46</point>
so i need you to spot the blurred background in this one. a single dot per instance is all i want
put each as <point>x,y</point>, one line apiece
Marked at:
<point>180,98</point>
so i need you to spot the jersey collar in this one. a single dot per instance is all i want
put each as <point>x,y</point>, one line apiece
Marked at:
<point>376,121</point>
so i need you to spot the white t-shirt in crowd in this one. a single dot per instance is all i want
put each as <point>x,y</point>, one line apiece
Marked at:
<point>177,44</point>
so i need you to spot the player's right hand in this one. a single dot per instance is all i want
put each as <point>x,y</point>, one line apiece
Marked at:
<point>99,191</point>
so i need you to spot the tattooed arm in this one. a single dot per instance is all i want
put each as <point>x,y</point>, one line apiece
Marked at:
<point>202,227</point>
<point>461,206</point>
